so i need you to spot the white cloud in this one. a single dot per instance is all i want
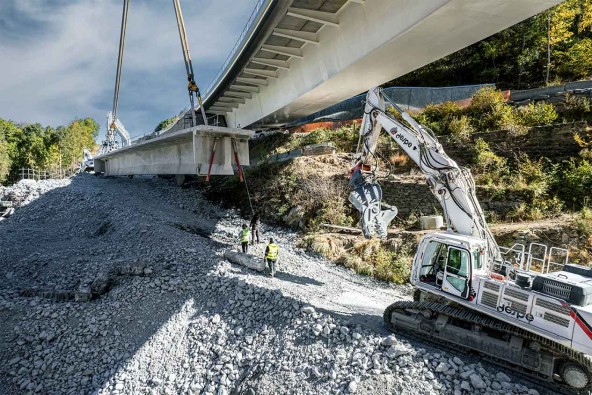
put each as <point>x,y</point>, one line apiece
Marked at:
<point>60,60</point>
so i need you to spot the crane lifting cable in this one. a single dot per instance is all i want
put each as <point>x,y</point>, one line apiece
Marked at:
<point>113,124</point>
<point>191,85</point>
<point>120,59</point>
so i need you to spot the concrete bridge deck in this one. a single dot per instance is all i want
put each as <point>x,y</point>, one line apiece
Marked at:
<point>186,151</point>
<point>297,57</point>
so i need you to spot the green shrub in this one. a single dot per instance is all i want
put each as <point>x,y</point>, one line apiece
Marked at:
<point>489,111</point>
<point>345,139</point>
<point>489,167</point>
<point>539,209</point>
<point>327,246</point>
<point>536,176</point>
<point>586,154</point>
<point>487,99</point>
<point>583,222</point>
<point>334,211</point>
<point>460,128</point>
<point>392,267</point>
<point>583,139</point>
<point>439,116</point>
<point>537,114</point>
<point>350,261</point>
<point>376,259</point>
<point>365,269</point>
<point>575,182</point>
<point>577,107</point>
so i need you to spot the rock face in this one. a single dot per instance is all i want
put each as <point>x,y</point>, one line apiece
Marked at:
<point>294,217</point>
<point>151,304</point>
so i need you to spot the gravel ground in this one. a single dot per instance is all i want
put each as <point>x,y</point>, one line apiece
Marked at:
<point>118,286</point>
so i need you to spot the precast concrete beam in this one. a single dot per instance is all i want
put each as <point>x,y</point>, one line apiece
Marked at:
<point>307,37</point>
<point>287,51</point>
<point>254,81</point>
<point>280,64</point>
<point>217,110</point>
<point>325,18</point>
<point>227,99</point>
<point>187,151</point>
<point>261,73</point>
<point>244,95</point>
<point>222,103</point>
<point>248,260</point>
<point>245,88</point>
<point>226,105</point>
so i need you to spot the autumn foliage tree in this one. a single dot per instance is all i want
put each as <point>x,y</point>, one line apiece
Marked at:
<point>558,40</point>
<point>44,148</point>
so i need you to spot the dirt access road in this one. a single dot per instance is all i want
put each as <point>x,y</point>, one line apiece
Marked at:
<point>118,286</point>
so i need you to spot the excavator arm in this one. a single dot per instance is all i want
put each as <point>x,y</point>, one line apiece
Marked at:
<point>453,186</point>
<point>116,126</point>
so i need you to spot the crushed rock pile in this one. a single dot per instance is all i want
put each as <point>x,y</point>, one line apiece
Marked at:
<point>26,191</point>
<point>164,313</point>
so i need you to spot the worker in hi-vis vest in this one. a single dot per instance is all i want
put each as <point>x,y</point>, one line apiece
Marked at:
<point>244,236</point>
<point>271,254</point>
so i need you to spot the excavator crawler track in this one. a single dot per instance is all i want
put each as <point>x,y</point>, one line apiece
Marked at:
<point>435,309</point>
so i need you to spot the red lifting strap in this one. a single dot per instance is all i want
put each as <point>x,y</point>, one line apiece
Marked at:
<point>238,165</point>
<point>211,160</point>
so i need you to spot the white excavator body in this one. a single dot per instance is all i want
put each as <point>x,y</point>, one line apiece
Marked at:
<point>506,303</point>
<point>540,304</point>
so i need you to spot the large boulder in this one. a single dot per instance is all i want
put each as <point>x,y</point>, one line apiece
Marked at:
<point>248,260</point>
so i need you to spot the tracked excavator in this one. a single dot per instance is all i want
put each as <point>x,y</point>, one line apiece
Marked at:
<point>523,307</point>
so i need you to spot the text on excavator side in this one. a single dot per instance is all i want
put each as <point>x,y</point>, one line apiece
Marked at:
<point>508,309</point>
<point>404,140</point>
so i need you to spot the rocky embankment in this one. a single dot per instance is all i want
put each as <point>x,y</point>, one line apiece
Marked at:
<point>23,193</point>
<point>119,286</point>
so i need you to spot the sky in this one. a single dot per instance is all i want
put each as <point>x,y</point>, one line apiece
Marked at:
<point>58,58</point>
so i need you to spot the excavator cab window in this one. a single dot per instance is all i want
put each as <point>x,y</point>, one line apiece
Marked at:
<point>478,258</point>
<point>457,272</point>
<point>434,260</point>
<point>447,268</point>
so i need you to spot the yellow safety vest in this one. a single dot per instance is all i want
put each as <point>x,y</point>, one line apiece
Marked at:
<point>245,236</point>
<point>272,252</point>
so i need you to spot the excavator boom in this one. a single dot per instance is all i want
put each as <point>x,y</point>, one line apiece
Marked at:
<point>452,185</point>
<point>468,295</point>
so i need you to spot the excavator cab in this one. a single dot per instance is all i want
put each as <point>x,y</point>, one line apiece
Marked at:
<point>446,262</point>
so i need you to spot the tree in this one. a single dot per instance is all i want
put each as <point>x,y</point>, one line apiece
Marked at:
<point>165,124</point>
<point>6,131</point>
<point>44,148</point>
<point>556,41</point>
<point>79,134</point>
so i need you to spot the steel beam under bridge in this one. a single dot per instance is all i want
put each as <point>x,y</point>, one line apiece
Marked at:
<point>327,57</point>
<point>186,151</point>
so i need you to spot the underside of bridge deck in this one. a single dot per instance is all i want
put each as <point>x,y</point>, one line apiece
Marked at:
<point>306,55</point>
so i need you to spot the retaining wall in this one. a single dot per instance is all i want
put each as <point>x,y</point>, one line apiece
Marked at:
<point>555,142</point>
<point>417,198</point>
